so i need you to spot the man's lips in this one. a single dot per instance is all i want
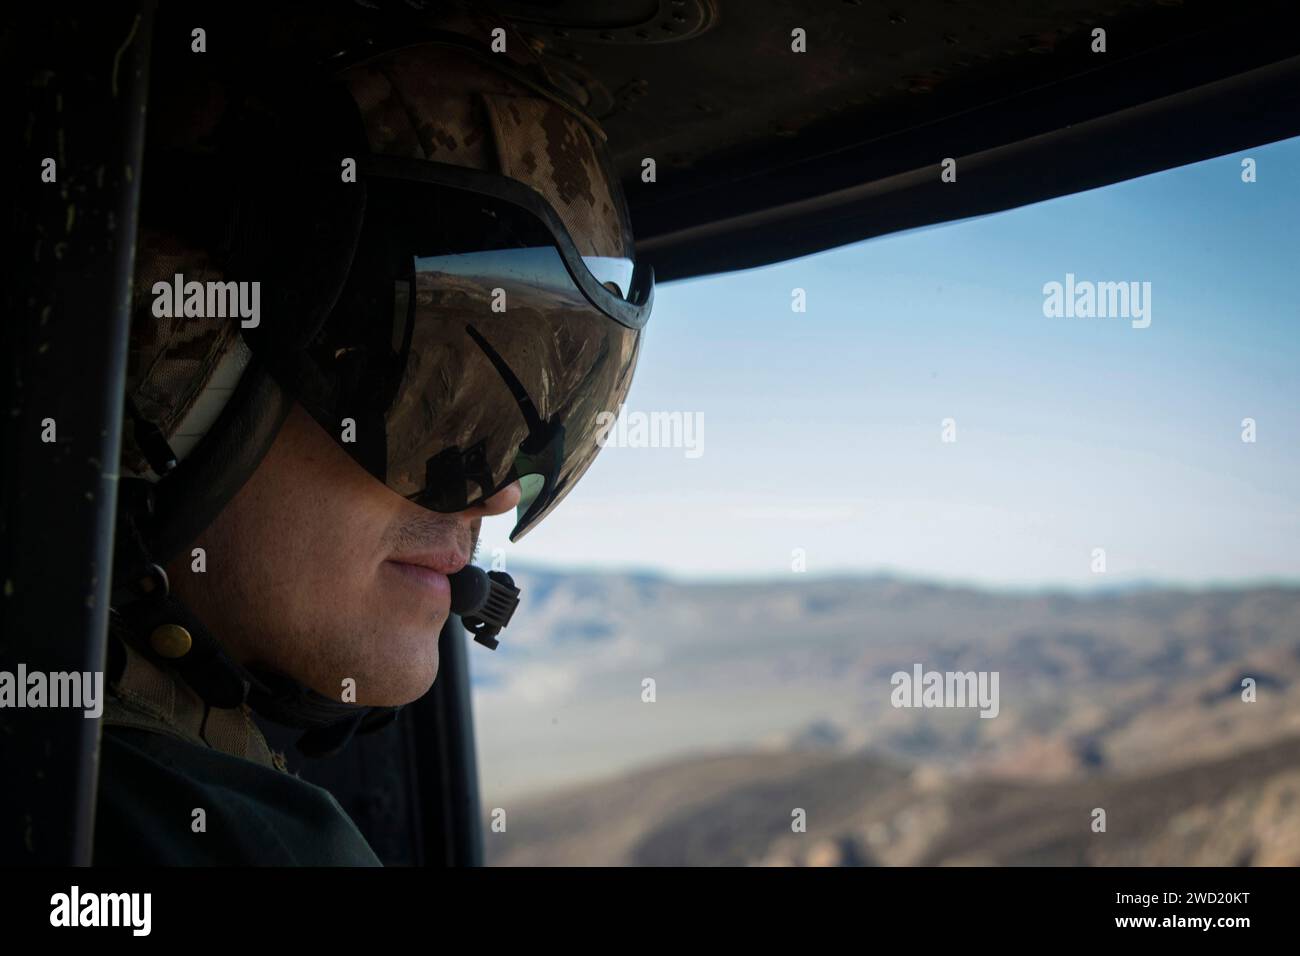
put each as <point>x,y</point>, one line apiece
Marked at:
<point>430,571</point>
<point>447,563</point>
<point>433,581</point>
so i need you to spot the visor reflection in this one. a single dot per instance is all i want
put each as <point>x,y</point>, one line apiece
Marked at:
<point>508,368</point>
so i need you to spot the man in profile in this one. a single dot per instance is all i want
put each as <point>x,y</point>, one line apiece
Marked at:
<point>447,303</point>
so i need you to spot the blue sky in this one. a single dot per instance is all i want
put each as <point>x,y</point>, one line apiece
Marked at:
<point>821,430</point>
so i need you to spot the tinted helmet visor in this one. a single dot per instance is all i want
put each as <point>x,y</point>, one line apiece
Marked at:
<point>473,345</point>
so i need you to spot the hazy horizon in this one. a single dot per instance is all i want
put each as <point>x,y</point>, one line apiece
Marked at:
<point>1100,585</point>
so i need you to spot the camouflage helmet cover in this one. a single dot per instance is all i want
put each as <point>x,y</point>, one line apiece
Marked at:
<point>429,101</point>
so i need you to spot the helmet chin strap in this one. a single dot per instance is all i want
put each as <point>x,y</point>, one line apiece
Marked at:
<point>328,724</point>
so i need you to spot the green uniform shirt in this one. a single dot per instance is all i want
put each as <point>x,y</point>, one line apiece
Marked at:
<point>166,754</point>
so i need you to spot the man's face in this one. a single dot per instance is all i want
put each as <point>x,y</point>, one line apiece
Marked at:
<point>319,571</point>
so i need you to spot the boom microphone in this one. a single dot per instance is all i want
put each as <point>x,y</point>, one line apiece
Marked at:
<point>485,601</point>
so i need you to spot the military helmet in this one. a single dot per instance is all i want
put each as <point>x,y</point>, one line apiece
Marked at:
<point>419,234</point>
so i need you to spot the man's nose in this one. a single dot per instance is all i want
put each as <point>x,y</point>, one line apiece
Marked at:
<point>504,500</point>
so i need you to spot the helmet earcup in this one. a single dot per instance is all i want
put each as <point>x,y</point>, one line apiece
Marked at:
<point>193,494</point>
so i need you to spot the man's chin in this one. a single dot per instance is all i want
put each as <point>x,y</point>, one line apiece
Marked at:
<point>411,693</point>
<point>396,689</point>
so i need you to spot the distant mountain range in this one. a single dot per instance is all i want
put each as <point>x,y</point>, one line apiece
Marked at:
<point>775,695</point>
